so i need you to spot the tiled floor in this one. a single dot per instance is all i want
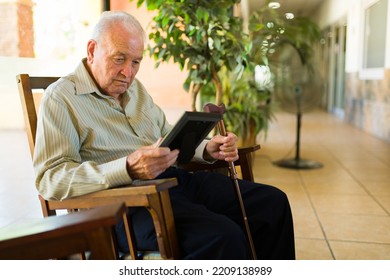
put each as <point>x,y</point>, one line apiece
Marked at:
<point>341,211</point>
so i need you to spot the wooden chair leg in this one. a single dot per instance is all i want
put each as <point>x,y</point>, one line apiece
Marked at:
<point>160,209</point>
<point>170,224</point>
<point>101,244</point>
<point>130,236</point>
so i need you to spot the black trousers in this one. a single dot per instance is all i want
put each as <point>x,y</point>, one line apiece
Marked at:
<point>209,223</point>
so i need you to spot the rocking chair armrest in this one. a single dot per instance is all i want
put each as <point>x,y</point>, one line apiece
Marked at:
<point>245,161</point>
<point>153,195</point>
<point>249,149</point>
<point>131,195</point>
<point>59,236</point>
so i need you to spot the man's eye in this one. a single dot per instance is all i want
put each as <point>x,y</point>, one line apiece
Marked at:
<point>119,60</point>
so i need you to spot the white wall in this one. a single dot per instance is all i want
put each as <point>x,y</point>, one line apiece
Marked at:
<point>367,90</point>
<point>11,116</point>
<point>331,11</point>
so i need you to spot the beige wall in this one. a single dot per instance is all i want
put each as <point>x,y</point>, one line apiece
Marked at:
<point>165,84</point>
<point>368,104</point>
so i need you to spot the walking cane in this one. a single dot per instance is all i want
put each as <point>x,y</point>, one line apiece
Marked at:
<point>212,108</point>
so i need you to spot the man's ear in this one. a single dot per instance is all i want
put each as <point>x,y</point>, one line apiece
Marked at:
<point>91,46</point>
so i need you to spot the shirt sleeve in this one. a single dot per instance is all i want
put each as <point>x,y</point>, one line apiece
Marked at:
<point>199,152</point>
<point>57,162</point>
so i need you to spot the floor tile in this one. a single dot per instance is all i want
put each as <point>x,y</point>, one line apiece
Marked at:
<point>384,201</point>
<point>335,186</point>
<point>347,204</point>
<point>363,228</point>
<point>377,188</point>
<point>306,225</point>
<point>360,251</point>
<point>312,249</point>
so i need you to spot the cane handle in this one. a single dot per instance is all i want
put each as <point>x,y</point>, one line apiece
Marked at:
<point>212,108</point>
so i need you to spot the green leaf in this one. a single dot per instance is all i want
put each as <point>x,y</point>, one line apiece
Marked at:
<point>203,36</point>
<point>165,22</point>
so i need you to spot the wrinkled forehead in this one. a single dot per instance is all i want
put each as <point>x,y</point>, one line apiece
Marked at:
<point>123,40</point>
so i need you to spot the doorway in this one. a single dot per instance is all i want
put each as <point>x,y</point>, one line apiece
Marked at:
<point>333,57</point>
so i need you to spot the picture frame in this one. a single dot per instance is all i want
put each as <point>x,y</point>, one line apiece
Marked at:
<point>188,132</point>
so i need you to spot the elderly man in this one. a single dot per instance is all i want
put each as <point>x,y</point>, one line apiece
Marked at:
<point>97,129</point>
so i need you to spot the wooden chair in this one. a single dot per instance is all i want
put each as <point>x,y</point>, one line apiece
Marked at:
<point>61,236</point>
<point>152,194</point>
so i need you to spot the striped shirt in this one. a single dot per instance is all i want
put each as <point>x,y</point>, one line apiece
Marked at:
<point>84,137</point>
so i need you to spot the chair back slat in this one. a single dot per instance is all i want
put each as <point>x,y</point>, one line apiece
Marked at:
<point>30,102</point>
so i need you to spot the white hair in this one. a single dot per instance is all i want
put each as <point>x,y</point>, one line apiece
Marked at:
<point>111,18</point>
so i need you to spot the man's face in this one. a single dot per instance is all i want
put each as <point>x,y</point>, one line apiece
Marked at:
<point>115,60</point>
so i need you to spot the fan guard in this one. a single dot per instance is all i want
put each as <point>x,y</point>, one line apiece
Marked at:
<point>297,90</point>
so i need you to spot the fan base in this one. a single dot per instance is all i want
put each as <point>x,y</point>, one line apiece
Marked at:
<point>298,163</point>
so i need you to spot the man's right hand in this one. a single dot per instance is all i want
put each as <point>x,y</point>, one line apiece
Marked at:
<point>150,161</point>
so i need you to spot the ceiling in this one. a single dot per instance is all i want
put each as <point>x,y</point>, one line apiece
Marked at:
<point>298,7</point>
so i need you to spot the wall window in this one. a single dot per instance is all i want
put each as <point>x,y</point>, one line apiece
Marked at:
<point>375,30</point>
<point>62,28</point>
<point>48,29</point>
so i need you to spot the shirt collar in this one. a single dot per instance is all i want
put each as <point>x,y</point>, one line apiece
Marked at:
<point>85,84</point>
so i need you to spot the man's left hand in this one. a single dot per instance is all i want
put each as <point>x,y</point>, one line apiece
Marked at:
<point>223,147</point>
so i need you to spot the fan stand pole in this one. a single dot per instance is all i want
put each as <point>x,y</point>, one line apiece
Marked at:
<point>297,162</point>
<point>298,142</point>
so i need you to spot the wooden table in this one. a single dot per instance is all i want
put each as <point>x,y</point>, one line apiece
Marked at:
<point>60,236</point>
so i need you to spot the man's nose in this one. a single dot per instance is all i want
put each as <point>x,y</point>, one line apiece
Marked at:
<point>127,70</point>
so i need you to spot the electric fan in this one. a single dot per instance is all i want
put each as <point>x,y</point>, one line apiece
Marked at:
<point>297,90</point>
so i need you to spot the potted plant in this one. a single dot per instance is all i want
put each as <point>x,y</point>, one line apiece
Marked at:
<point>205,38</point>
<point>201,36</point>
<point>247,100</point>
